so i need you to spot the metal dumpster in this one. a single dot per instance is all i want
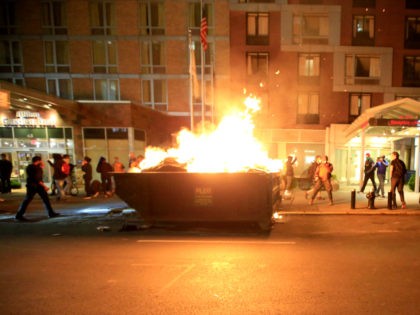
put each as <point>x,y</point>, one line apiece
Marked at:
<point>171,197</point>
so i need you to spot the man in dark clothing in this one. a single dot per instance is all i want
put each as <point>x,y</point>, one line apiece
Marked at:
<point>369,173</point>
<point>87,176</point>
<point>105,169</point>
<point>397,172</point>
<point>35,185</point>
<point>6,168</point>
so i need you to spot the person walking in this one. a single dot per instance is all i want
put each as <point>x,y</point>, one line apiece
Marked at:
<point>397,172</point>
<point>87,176</point>
<point>381,165</point>
<point>6,168</point>
<point>311,175</point>
<point>105,169</point>
<point>35,185</point>
<point>369,171</point>
<point>67,168</point>
<point>290,172</point>
<point>61,170</point>
<point>323,179</point>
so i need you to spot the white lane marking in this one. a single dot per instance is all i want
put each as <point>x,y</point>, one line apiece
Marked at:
<point>217,242</point>
<point>170,283</point>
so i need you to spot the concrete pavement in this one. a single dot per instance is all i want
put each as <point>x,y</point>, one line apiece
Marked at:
<point>114,213</point>
<point>298,204</point>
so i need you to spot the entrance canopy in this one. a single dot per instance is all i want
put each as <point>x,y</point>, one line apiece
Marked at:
<point>397,119</point>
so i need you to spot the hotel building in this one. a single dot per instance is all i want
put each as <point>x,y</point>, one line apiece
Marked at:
<point>340,77</point>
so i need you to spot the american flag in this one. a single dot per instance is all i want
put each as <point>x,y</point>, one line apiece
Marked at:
<point>203,30</point>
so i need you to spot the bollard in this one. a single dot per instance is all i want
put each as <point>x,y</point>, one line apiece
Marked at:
<point>371,199</point>
<point>390,200</point>
<point>353,199</point>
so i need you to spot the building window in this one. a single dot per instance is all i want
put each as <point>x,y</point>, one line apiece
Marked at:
<point>363,69</point>
<point>194,18</point>
<point>10,56</point>
<point>56,56</point>
<point>364,3</point>
<point>363,30</point>
<point>60,87</point>
<point>107,89</point>
<point>308,108</point>
<point>152,57</point>
<point>18,81</point>
<point>7,17</point>
<point>310,1</point>
<point>411,75</point>
<point>154,94</point>
<point>104,56</point>
<point>309,65</point>
<point>102,17</point>
<point>412,32</point>
<point>257,28</point>
<point>257,64</point>
<point>208,98</point>
<point>412,4</point>
<point>359,102</point>
<point>256,1</point>
<point>414,97</point>
<point>310,29</point>
<point>151,17</point>
<point>54,20</point>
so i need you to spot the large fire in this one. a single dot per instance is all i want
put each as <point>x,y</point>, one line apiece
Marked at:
<point>230,147</point>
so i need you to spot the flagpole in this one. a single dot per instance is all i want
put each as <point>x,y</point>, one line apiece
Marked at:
<point>191,81</point>
<point>202,75</point>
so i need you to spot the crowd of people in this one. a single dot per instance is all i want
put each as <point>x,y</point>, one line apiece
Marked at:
<point>397,172</point>
<point>319,175</point>
<point>63,179</point>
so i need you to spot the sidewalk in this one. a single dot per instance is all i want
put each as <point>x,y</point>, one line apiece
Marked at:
<point>342,197</point>
<point>78,208</point>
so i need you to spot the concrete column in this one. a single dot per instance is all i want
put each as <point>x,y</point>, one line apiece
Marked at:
<point>416,162</point>
<point>362,156</point>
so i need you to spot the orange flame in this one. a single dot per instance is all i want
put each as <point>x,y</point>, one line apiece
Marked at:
<point>231,147</point>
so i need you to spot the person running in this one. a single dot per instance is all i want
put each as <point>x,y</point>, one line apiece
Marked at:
<point>35,185</point>
<point>323,175</point>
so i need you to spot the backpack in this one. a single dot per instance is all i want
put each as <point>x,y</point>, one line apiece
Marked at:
<point>399,169</point>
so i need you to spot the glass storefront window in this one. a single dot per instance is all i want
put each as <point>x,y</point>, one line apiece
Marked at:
<point>6,132</point>
<point>57,133</point>
<point>6,143</point>
<point>30,133</point>
<point>32,143</point>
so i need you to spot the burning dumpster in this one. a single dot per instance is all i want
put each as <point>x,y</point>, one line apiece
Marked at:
<point>222,174</point>
<point>175,197</point>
